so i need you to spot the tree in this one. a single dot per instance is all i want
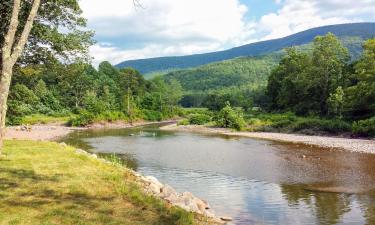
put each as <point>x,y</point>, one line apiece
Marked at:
<point>30,32</point>
<point>361,96</point>
<point>336,102</point>
<point>328,68</point>
<point>288,84</point>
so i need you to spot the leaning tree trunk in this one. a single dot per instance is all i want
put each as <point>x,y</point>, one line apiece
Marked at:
<point>12,49</point>
<point>6,74</point>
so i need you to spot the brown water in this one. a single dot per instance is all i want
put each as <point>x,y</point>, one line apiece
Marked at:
<point>253,181</point>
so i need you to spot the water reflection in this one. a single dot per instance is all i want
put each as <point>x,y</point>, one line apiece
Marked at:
<point>256,182</point>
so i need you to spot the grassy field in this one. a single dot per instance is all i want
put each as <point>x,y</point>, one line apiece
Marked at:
<point>44,119</point>
<point>45,183</point>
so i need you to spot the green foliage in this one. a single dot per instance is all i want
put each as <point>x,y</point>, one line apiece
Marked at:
<point>183,122</point>
<point>230,118</point>
<point>58,33</point>
<point>199,119</point>
<point>83,119</point>
<point>314,83</point>
<point>107,94</point>
<point>152,115</point>
<point>336,102</point>
<point>361,96</point>
<point>313,125</point>
<point>364,127</point>
<point>288,122</point>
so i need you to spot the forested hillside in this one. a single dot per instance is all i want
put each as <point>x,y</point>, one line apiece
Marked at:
<point>356,33</point>
<point>244,76</point>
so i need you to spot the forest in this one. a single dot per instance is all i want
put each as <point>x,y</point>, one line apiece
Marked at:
<point>87,95</point>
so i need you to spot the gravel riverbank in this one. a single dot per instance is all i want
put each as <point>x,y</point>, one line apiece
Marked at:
<point>48,132</point>
<point>348,144</point>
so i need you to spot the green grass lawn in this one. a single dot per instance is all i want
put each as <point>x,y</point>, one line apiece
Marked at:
<point>45,183</point>
<point>44,119</point>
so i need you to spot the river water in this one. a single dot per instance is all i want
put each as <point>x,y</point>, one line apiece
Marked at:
<point>252,181</point>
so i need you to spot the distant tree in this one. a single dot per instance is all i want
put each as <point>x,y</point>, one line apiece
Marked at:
<point>361,96</point>
<point>328,68</point>
<point>336,102</point>
<point>288,84</point>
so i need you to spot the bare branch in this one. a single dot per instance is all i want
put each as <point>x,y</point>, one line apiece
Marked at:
<point>10,35</point>
<point>26,31</point>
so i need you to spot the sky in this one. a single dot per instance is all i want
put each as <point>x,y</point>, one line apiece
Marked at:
<point>182,27</point>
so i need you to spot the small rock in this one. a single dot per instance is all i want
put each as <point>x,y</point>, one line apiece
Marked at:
<point>154,188</point>
<point>167,191</point>
<point>63,144</point>
<point>80,151</point>
<point>226,218</point>
<point>150,179</point>
<point>94,156</point>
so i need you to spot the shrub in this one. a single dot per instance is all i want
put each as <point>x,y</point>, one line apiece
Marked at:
<point>184,122</point>
<point>110,116</point>
<point>152,115</point>
<point>331,126</point>
<point>364,127</point>
<point>199,119</point>
<point>230,118</point>
<point>83,119</point>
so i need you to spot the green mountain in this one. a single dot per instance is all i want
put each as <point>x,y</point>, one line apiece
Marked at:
<point>235,72</point>
<point>241,78</point>
<point>356,31</point>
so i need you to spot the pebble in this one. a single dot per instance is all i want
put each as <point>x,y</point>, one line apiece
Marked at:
<point>226,218</point>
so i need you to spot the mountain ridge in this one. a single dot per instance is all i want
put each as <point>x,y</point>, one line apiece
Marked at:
<point>150,65</point>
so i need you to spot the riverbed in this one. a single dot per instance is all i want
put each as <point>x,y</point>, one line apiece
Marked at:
<point>253,181</point>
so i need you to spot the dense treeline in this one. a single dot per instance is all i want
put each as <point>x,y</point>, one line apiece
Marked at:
<point>326,83</point>
<point>104,94</point>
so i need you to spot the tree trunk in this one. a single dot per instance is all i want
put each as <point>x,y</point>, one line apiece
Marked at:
<point>6,74</point>
<point>10,52</point>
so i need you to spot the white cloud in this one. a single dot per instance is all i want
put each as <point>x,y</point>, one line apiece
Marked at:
<point>299,15</point>
<point>179,27</point>
<point>166,27</point>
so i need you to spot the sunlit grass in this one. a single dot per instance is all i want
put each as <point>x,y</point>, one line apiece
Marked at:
<point>46,183</point>
<point>44,119</point>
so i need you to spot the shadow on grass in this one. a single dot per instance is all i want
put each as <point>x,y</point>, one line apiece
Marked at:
<point>27,174</point>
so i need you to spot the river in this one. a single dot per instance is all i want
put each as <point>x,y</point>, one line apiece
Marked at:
<point>253,181</point>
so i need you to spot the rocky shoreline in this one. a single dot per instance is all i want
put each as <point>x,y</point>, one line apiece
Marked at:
<point>347,144</point>
<point>186,200</point>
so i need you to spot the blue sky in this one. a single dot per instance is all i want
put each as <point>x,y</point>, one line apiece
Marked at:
<point>180,27</point>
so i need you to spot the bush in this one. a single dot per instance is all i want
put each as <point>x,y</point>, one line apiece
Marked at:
<point>230,118</point>
<point>152,115</point>
<point>314,124</point>
<point>364,127</point>
<point>199,119</point>
<point>83,119</point>
<point>110,116</point>
<point>184,122</point>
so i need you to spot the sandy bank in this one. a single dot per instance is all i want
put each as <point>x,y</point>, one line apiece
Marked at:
<point>50,132</point>
<point>348,144</point>
<point>38,132</point>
